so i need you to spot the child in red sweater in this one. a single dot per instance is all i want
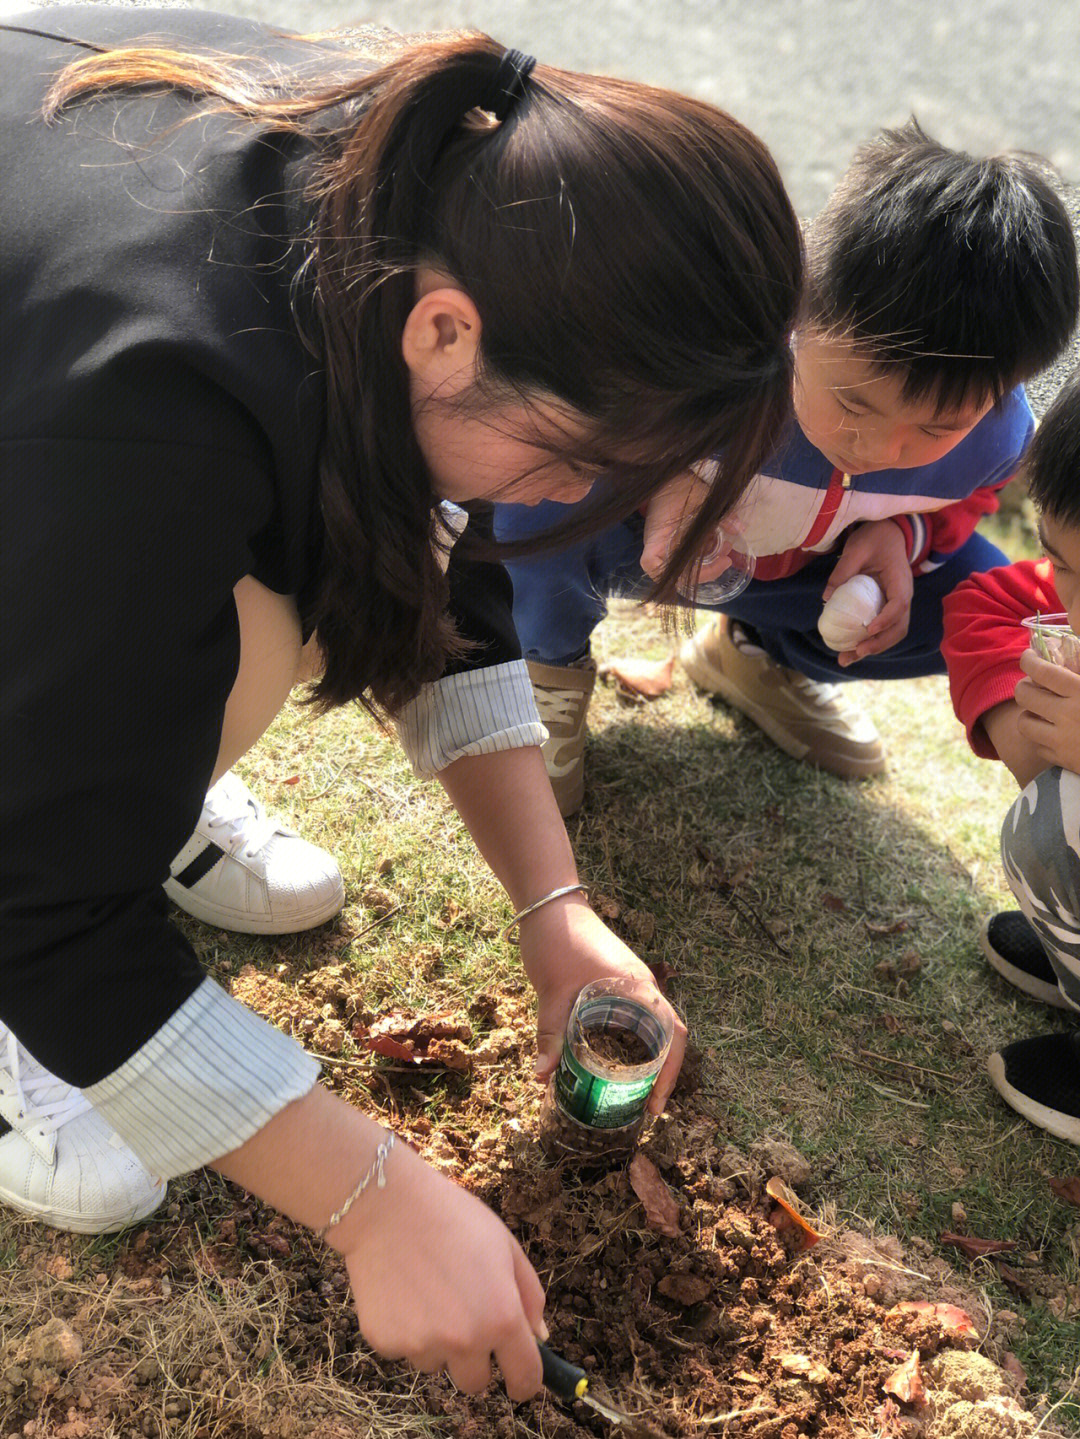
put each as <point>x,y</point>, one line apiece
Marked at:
<point>1025,711</point>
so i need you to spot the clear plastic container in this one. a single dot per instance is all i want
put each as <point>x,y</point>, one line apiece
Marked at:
<point>1052,638</point>
<point>728,583</point>
<point>617,1039</point>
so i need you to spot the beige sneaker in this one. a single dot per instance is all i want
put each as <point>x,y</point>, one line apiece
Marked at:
<point>805,718</point>
<point>562,697</point>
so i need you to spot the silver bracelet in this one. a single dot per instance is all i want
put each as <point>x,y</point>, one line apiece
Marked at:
<point>376,1172</point>
<point>539,903</point>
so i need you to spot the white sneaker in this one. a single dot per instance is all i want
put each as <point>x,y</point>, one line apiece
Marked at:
<point>242,870</point>
<point>59,1160</point>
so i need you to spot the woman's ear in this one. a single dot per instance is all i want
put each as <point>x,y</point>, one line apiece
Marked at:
<point>441,342</point>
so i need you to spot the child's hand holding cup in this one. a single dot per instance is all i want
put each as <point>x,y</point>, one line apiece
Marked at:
<point>1049,696</point>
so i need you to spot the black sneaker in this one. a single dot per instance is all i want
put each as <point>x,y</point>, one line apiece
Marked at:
<point>1040,1079</point>
<point>1016,952</point>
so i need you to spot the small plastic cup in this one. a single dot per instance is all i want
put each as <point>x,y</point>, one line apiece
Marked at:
<point>617,1039</point>
<point>728,583</point>
<point>1052,638</point>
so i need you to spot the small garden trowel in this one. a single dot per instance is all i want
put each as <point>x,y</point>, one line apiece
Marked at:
<point>568,1382</point>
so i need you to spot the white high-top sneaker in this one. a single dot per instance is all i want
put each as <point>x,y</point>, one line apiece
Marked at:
<point>59,1160</point>
<point>245,871</point>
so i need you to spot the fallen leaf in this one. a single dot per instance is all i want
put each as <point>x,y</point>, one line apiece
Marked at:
<point>1012,1365</point>
<point>389,1047</point>
<point>833,902</point>
<point>1067,1189</point>
<point>890,1420</point>
<point>906,1382</point>
<point>976,1248</point>
<point>685,1289</point>
<point>949,1316</point>
<point>645,679</point>
<point>789,1207</point>
<point>879,931</point>
<point>661,1209</point>
<point>293,779</point>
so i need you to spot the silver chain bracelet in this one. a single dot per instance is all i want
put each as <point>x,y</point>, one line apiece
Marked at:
<point>376,1172</point>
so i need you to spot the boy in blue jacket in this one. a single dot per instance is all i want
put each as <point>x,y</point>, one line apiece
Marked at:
<point>937,284</point>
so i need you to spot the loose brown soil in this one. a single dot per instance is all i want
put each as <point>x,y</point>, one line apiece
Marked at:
<point>220,1320</point>
<point>617,1048</point>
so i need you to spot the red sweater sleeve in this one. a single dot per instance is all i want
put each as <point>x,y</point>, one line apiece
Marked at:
<point>944,531</point>
<point>984,638</point>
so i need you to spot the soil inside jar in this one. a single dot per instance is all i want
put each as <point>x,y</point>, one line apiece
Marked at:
<point>617,1048</point>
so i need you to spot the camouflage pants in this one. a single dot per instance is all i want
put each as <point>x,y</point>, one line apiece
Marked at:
<point>1040,848</point>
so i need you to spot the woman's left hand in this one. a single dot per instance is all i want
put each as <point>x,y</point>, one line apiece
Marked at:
<point>564,945</point>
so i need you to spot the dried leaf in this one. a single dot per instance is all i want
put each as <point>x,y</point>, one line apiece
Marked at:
<point>1067,1189</point>
<point>879,931</point>
<point>389,1047</point>
<point>789,1209</point>
<point>661,1209</point>
<point>293,779</point>
<point>685,1289</point>
<point>976,1248</point>
<point>906,1382</point>
<point>889,1419</point>
<point>949,1316</point>
<point>833,902</point>
<point>645,679</point>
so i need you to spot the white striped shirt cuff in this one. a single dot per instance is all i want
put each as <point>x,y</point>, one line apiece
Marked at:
<point>212,1076</point>
<point>475,712</point>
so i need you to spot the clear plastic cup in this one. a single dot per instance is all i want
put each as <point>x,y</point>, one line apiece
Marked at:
<point>728,583</point>
<point>1052,638</point>
<point>617,1039</point>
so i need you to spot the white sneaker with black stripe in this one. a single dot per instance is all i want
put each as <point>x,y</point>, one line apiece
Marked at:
<point>244,871</point>
<point>60,1162</point>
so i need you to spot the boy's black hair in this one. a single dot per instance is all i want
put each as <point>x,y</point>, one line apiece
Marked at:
<point>1052,463</point>
<point>964,271</point>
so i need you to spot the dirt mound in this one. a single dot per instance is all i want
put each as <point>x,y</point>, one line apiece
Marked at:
<point>685,1295</point>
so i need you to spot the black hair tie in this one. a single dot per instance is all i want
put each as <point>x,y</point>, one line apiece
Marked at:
<point>508,83</point>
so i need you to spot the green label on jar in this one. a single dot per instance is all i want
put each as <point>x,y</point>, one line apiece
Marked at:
<point>601,1103</point>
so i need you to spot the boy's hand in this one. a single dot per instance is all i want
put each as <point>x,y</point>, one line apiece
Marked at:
<point>1049,701</point>
<point>877,548</point>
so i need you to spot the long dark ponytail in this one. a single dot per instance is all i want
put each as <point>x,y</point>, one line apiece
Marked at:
<point>632,254</point>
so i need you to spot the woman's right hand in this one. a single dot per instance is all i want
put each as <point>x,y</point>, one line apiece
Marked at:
<point>440,1282</point>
